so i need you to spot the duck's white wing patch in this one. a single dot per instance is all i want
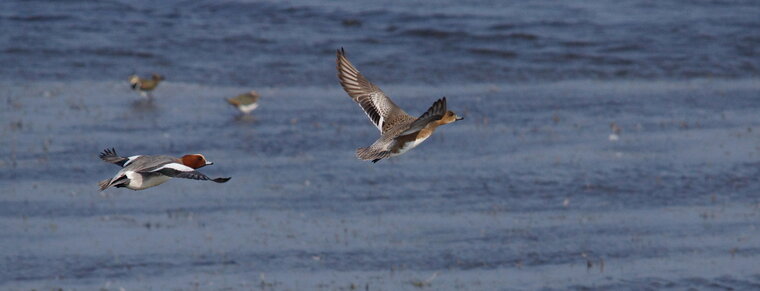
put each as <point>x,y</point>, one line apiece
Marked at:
<point>131,159</point>
<point>174,166</point>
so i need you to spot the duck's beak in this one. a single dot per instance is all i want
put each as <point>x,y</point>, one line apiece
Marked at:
<point>458,118</point>
<point>209,163</point>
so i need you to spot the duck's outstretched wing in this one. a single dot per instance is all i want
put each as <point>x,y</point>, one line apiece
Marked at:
<point>192,174</point>
<point>380,109</point>
<point>109,155</point>
<point>435,112</point>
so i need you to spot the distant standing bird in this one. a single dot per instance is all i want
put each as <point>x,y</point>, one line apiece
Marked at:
<point>142,172</point>
<point>615,135</point>
<point>246,102</point>
<point>399,131</point>
<point>145,86</point>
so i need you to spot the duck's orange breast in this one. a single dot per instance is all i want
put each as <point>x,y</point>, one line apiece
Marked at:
<point>407,142</point>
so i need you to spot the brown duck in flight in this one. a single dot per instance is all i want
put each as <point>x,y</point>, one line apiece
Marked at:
<point>399,131</point>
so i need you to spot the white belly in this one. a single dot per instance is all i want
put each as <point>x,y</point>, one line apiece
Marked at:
<point>408,146</point>
<point>248,108</point>
<point>140,182</point>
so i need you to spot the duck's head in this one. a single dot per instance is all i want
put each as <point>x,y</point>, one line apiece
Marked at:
<point>450,117</point>
<point>195,161</point>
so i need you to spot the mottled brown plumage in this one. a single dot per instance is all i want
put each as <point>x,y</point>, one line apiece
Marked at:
<point>245,102</point>
<point>144,86</point>
<point>399,131</point>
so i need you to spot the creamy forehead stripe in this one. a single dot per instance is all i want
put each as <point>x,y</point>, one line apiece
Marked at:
<point>175,166</point>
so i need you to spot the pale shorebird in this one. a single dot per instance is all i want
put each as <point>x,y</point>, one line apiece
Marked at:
<point>245,102</point>
<point>145,86</point>
<point>399,131</point>
<point>142,172</point>
<point>615,135</point>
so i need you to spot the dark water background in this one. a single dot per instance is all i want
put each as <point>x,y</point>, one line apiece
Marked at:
<point>260,43</point>
<point>526,193</point>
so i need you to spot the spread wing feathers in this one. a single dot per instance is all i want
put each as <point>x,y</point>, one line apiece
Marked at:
<point>435,112</point>
<point>109,155</point>
<point>195,175</point>
<point>379,108</point>
<point>372,153</point>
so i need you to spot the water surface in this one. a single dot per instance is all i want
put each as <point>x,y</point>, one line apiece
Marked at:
<point>527,192</point>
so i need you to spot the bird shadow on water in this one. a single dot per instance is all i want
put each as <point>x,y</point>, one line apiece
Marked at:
<point>146,111</point>
<point>244,119</point>
<point>144,105</point>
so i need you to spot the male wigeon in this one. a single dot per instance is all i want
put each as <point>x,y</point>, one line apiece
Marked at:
<point>145,86</point>
<point>142,172</point>
<point>245,102</point>
<point>399,131</point>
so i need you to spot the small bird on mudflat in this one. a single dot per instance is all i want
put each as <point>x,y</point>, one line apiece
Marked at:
<point>145,86</point>
<point>615,135</point>
<point>141,172</point>
<point>399,131</point>
<point>245,102</point>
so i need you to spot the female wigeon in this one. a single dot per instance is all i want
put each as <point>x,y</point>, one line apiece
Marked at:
<point>245,102</point>
<point>144,86</point>
<point>142,172</point>
<point>399,131</point>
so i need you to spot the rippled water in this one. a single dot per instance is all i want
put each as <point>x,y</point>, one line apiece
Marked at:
<point>258,43</point>
<point>527,192</point>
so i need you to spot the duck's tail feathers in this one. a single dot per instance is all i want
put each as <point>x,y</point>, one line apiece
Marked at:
<point>104,184</point>
<point>372,154</point>
<point>120,182</point>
